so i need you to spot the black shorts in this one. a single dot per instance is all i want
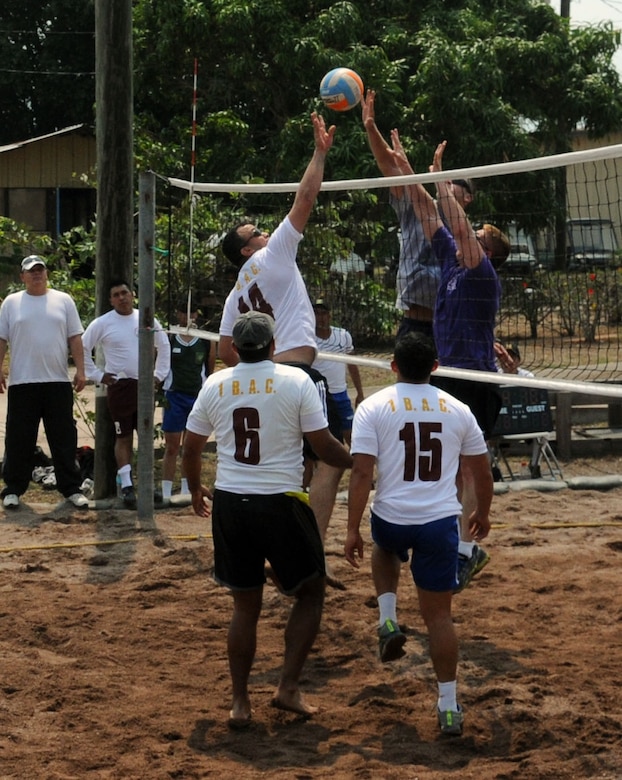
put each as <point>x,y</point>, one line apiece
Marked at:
<point>331,410</point>
<point>483,399</point>
<point>250,530</point>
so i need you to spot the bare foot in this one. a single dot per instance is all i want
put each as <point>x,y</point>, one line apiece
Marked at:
<point>238,724</point>
<point>293,702</point>
<point>240,716</point>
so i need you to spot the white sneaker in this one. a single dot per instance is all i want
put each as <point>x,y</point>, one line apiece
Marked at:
<point>78,500</point>
<point>10,501</point>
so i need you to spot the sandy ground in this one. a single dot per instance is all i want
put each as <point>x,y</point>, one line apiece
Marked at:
<point>112,640</point>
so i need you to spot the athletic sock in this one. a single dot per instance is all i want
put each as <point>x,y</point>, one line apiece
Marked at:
<point>447,696</point>
<point>125,474</point>
<point>466,548</point>
<point>185,490</point>
<point>387,604</point>
<point>167,488</point>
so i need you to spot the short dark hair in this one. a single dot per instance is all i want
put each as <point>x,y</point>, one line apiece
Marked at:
<point>233,243</point>
<point>254,355</point>
<point>182,304</point>
<point>468,184</point>
<point>415,355</point>
<point>119,283</point>
<point>498,244</point>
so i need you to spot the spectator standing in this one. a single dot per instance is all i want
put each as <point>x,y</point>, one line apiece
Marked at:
<point>258,411</point>
<point>338,341</point>
<point>40,325</point>
<point>192,361</point>
<point>417,436</point>
<point>116,332</point>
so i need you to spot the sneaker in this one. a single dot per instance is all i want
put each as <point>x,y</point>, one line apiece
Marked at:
<point>451,722</point>
<point>469,567</point>
<point>391,641</point>
<point>10,501</point>
<point>79,500</point>
<point>158,498</point>
<point>129,497</point>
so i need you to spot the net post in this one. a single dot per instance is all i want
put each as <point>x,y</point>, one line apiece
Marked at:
<point>146,286</point>
<point>563,428</point>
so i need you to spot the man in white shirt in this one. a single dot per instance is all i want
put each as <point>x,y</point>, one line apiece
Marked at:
<point>40,324</point>
<point>416,436</point>
<point>269,281</point>
<point>338,341</point>
<point>258,412</point>
<point>117,334</point>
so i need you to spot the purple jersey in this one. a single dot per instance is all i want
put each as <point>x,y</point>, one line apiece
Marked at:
<point>466,308</point>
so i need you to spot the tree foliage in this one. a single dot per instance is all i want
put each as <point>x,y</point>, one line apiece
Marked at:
<point>47,66</point>
<point>499,80</point>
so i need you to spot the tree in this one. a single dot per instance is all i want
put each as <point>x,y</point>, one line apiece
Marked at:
<point>47,66</point>
<point>499,80</point>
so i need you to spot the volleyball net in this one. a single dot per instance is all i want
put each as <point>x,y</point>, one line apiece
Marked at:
<point>561,303</point>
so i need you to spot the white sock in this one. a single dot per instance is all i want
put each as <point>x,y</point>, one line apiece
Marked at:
<point>466,548</point>
<point>447,696</point>
<point>125,473</point>
<point>185,490</point>
<point>167,488</point>
<point>387,604</point>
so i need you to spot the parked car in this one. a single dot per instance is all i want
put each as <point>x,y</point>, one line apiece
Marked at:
<point>522,260</point>
<point>592,243</point>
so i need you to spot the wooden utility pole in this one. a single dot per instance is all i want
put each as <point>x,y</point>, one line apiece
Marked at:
<point>115,190</point>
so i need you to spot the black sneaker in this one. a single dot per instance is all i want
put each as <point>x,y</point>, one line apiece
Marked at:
<point>391,641</point>
<point>469,567</point>
<point>129,497</point>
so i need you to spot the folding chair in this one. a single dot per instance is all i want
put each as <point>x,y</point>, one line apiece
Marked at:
<point>525,415</point>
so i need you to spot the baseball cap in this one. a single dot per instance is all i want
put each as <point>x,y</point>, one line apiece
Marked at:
<point>253,330</point>
<point>321,304</point>
<point>31,261</point>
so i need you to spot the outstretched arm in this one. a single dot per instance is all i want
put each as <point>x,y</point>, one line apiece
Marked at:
<point>384,155</point>
<point>470,253</point>
<point>422,202</point>
<point>312,178</point>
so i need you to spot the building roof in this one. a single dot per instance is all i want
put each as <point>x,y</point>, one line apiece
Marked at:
<point>65,131</point>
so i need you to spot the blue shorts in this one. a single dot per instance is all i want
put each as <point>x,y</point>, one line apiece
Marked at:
<point>178,407</point>
<point>344,408</point>
<point>434,561</point>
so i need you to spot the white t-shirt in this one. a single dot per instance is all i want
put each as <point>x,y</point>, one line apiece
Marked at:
<point>340,342</point>
<point>258,413</point>
<point>417,434</point>
<point>117,334</point>
<point>270,281</point>
<point>37,328</point>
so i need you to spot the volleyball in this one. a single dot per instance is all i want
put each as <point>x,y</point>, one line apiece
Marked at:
<point>341,89</point>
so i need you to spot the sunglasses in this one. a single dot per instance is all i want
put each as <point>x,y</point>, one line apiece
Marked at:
<point>255,234</point>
